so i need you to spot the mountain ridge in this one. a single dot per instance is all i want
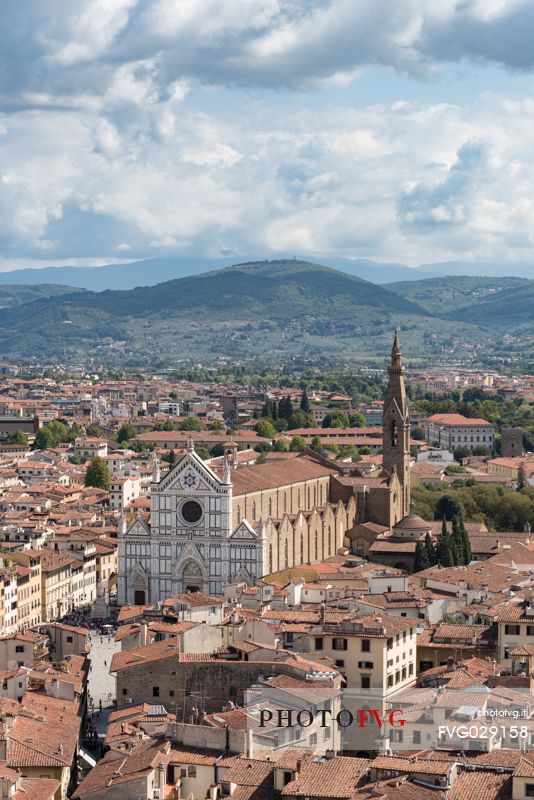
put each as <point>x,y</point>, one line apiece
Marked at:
<point>270,310</point>
<point>152,271</point>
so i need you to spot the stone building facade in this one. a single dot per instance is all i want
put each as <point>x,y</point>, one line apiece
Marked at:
<point>212,526</point>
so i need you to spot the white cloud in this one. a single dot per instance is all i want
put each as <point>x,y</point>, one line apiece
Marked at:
<point>403,181</point>
<point>92,47</point>
<point>103,153</point>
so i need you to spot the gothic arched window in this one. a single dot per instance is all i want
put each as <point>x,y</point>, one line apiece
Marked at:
<point>254,510</point>
<point>302,548</point>
<point>316,545</point>
<point>286,554</point>
<point>270,507</point>
<point>270,558</point>
<point>394,434</point>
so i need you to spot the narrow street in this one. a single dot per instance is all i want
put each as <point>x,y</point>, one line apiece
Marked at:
<point>101,683</point>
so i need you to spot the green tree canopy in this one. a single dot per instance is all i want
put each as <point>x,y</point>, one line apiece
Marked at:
<point>299,419</point>
<point>94,430</point>
<point>449,507</point>
<point>316,445</point>
<point>298,444</point>
<point>421,560</point>
<point>98,474</point>
<point>202,451</point>
<point>280,446</point>
<point>17,437</point>
<point>265,428</point>
<point>444,552</point>
<point>305,402</point>
<point>461,452</point>
<point>336,419</point>
<point>51,435</point>
<point>125,432</point>
<point>192,424</point>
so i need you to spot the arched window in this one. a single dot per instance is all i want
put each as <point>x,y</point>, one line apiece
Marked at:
<point>286,554</point>
<point>270,507</point>
<point>254,509</point>
<point>316,546</point>
<point>394,434</point>
<point>270,558</point>
<point>329,540</point>
<point>302,548</point>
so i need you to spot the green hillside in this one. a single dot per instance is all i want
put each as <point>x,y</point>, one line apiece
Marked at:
<point>274,311</point>
<point>12,295</point>
<point>509,309</point>
<point>443,295</point>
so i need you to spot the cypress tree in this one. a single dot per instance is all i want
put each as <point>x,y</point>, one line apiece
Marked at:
<point>289,407</point>
<point>457,542</point>
<point>466,542</point>
<point>430,550</point>
<point>305,402</point>
<point>285,408</point>
<point>444,551</point>
<point>421,557</point>
<point>274,410</point>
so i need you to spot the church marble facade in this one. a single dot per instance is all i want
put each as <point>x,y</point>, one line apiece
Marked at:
<point>210,526</point>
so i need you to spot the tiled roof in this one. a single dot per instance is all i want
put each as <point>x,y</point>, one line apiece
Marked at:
<point>334,778</point>
<point>269,476</point>
<point>44,733</point>
<point>249,772</point>
<point>477,785</point>
<point>119,768</point>
<point>146,654</point>
<point>37,789</point>
<point>525,768</point>
<point>412,765</point>
<point>457,419</point>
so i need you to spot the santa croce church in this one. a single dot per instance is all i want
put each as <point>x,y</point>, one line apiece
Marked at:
<point>215,525</point>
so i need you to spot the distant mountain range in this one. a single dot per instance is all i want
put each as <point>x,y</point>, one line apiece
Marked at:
<point>270,310</point>
<point>150,272</point>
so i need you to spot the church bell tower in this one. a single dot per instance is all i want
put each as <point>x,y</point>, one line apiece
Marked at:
<point>396,426</point>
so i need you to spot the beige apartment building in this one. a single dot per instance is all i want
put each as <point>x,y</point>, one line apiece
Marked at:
<point>28,569</point>
<point>56,584</point>
<point>515,625</point>
<point>375,652</point>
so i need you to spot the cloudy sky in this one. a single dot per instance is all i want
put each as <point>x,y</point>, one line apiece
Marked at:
<point>401,130</point>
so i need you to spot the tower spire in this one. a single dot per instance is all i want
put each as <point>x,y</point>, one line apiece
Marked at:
<point>396,431</point>
<point>396,354</point>
<point>226,470</point>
